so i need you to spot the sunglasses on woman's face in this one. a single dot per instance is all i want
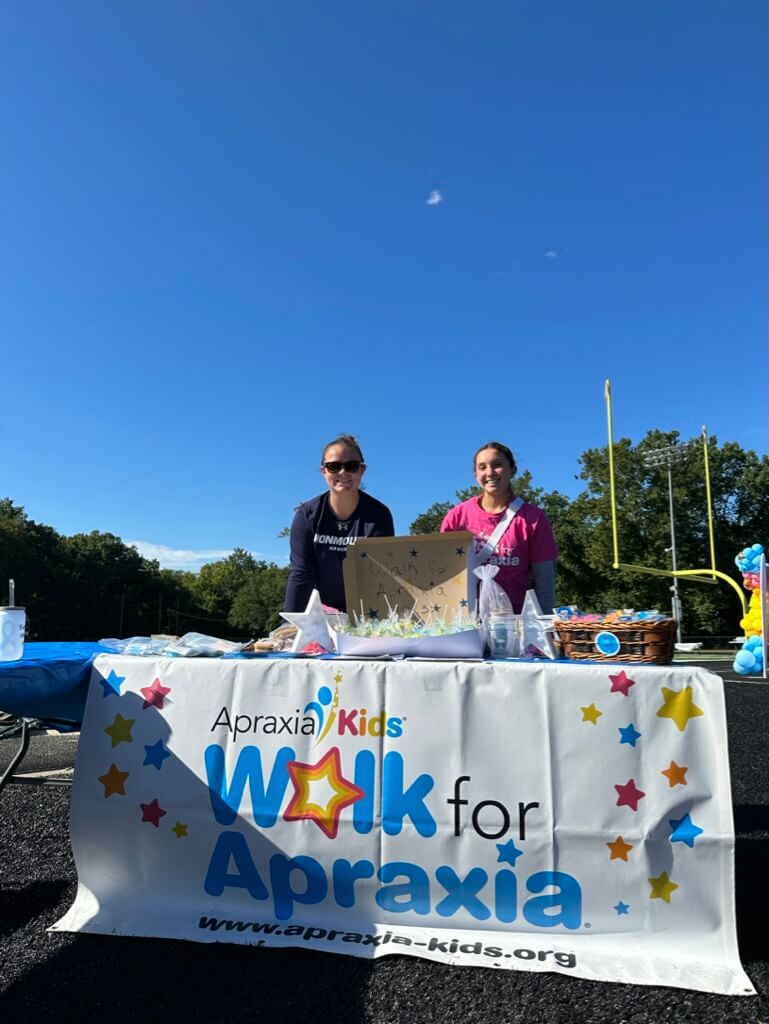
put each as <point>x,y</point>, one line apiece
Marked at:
<point>352,466</point>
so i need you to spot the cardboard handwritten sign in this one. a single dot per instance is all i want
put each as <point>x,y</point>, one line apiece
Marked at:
<point>431,573</point>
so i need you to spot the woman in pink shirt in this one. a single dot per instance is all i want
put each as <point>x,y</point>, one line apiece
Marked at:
<point>509,532</point>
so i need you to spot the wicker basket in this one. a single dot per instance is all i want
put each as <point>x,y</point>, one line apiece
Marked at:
<point>650,643</point>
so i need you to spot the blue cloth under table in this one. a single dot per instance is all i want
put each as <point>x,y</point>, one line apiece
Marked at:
<point>49,681</point>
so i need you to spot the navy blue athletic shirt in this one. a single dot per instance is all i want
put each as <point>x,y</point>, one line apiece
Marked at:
<point>319,543</point>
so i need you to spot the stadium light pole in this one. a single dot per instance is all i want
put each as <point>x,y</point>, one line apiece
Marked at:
<point>669,457</point>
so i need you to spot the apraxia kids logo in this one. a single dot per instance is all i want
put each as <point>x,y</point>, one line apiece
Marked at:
<point>320,718</point>
<point>350,721</point>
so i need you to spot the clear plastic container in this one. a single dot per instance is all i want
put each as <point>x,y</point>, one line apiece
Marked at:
<point>503,635</point>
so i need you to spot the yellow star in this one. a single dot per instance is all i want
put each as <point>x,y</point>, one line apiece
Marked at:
<point>679,705</point>
<point>179,829</point>
<point>619,849</point>
<point>113,781</point>
<point>120,730</point>
<point>329,768</point>
<point>662,887</point>
<point>591,714</point>
<point>676,774</point>
<point>338,677</point>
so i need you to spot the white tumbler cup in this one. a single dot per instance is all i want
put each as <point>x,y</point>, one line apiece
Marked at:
<point>12,624</point>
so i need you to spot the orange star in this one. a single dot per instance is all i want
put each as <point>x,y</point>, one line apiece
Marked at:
<point>676,774</point>
<point>113,781</point>
<point>619,849</point>
<point>329,768</point>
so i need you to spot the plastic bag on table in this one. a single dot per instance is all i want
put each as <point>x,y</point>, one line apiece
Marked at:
<point>191,645</point>
<point>496,615</point>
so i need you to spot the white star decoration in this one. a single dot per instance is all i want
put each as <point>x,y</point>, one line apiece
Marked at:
<point>312,624</point>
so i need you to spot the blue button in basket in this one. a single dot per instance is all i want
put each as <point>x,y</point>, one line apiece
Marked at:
<point>607,643</point>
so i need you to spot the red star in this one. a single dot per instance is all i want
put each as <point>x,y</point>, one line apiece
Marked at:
<point>152,812</point>
<point>629,795</point>
<point>621,683</point>
<point>153,695</point>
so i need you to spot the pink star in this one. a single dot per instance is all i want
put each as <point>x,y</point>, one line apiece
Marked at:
<point>153,695</point>
<point>152,812</point>
<point>629,795</point>
<point>621,683</point>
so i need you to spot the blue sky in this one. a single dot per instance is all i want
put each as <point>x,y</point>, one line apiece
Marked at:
<point>231,231</point>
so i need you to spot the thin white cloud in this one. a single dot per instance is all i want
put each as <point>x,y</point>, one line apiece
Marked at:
<point>435,197</point>
<point>551,254</point>
<point>185,559</point>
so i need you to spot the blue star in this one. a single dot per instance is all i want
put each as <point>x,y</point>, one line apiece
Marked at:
<point>112,683</point>
<point>508,853</point>
<point>413,552</point>
<point>460,551</point>
<point>684,831</point>
<point>629,734</point>
<point>622,908</point>
<point>156,755</point>
<point>373,613</point>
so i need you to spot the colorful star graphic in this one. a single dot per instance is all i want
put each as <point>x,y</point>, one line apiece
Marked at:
<point>621,683</point>
<point>679,705</point>
<point>629,795</point>
<point>156,755</point>
<point>619,849</point>
<point>114,781</point>
<point>112,684</point>
<point>329,768</point>
<point>153,695</point>
<point>508,853</point>
<point>622,908</point>
<point>153,812</point>
<point>629,735</point>
<point>662,887</point>
<point>120,730</point>
<point>676,774</point>
<point>180,830</point>
<point>684,831</point>
<point>591,714</point>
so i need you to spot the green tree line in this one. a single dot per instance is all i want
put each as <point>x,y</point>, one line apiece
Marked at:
<point>92,586</point>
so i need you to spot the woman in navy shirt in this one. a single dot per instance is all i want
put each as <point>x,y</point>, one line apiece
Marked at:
<point>325,527</point>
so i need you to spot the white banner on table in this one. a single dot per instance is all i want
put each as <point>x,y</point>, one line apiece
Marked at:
<point>569,818</point>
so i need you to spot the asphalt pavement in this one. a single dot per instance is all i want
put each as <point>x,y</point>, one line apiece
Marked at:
<point>117,979</point>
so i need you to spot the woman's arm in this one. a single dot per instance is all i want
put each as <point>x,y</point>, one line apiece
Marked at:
<point>302,576</point>
<point>544,584</point>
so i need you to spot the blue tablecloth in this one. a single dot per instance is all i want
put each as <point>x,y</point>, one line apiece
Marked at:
<point>49,681</point>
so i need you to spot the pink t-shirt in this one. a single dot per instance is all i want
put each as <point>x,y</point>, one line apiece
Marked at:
<point>528,539</point>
